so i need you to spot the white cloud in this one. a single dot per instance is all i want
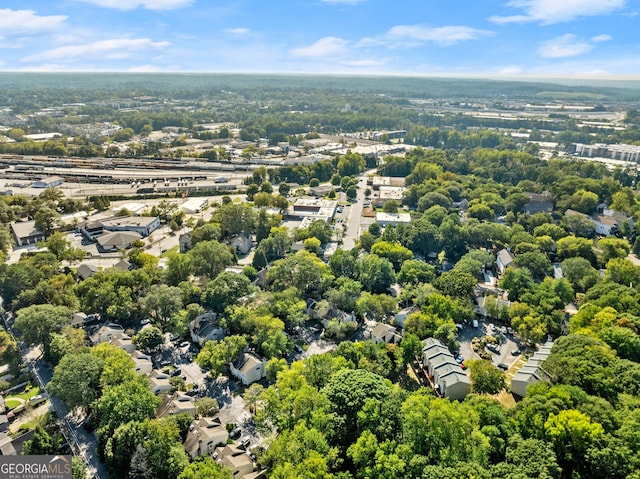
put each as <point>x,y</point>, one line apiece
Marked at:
<point>109,49</point>
<point>554,11</point>
<point>325,47</point>
<point>237,31</point>
<point>563,46</point>
<point>447,35</point>
<point>23,22</point>
<point>364,63</point>
<point>133,4</point>
<point>601,38</point>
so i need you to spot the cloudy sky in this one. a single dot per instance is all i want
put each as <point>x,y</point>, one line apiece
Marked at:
<point>583,38</point>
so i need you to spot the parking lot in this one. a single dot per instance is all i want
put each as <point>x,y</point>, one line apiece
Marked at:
<point>508,343</point>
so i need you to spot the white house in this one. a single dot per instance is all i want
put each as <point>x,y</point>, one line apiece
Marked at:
<point>248,368</point>
<point>532,371</point>
<point>159,383</point>
<point>204,436</point>
<point>504,260</point>
<point>385,333</point>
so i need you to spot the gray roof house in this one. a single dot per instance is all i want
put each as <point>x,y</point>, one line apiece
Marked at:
<point>532,371</point>
<point>504,260</point>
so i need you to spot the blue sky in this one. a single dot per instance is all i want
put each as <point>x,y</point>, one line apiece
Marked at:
<point>552,38</point>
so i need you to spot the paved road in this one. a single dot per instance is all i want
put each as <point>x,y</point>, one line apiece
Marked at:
<point>355,214</point>
<point>83,443</point>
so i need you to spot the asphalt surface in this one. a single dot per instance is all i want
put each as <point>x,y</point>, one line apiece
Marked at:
<point>508,342</point>
<point>355,214</point>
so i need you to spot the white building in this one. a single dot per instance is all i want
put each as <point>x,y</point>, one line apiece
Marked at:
<point>392,219</point>
<point>248,368</point>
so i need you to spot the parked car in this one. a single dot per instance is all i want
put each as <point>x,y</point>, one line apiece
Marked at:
<point>185,344</point>
<point>235,433</point>
<point>40,398</point>
<point>459,359</point>
<point>244,442</point>
<point>493,348</point>
<point>515,352</point>
<point>176,372</point>
<point>502,366</point>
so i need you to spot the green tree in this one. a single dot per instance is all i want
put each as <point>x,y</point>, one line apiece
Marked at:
<point>46,220</point>
<point>205,468</point>
<point>376,274</point>
<point>225,290</point>
<point>179,268</point>
<point>149,338</point>
<point>579,273</point>
<point>347,392</point>
<point>162,302</point>
<point>414,272</point>
<point>516,281</point>
<point>351,164</point>
<point>76,379</point>
<point>37,322</point>
<point>394,252</point>
<point>125,402</point>
<point>206,406</point>
<point>216,355</point>
<point>210,258</point>
<point>456,283</point>
<point>485,377</point>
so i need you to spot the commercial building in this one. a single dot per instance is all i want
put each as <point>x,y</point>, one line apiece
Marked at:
<point>49,182</point>
<point>315,208</point>
<point>26,233</point>
<point>392,219</point>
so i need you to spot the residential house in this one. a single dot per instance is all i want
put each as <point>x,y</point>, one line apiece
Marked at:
<point>176,403</point>
<point>85,271</point>
<point>248,368</point>
<point>455,385</point>
<point>504,260</point>
<point>241,244</point>
<point>159,383</point>
<point>401,316</point>
<point>206,328</point>
<point>184,242</point>
<point>204,436</point>
<point>539,203</point>
<point>6,445</point>
<point>532,371</point>
<point>610,222</point>
<point>238,461</point>
<point>448,376</point>
<point>385,333</point>
<point>124,342</point>
<point>142,363</point>
<point>106,333</point>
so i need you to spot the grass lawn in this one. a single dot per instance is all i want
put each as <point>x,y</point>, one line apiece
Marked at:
<point>11,403</point>
<point>26,395</point>
<point>170,252</point>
